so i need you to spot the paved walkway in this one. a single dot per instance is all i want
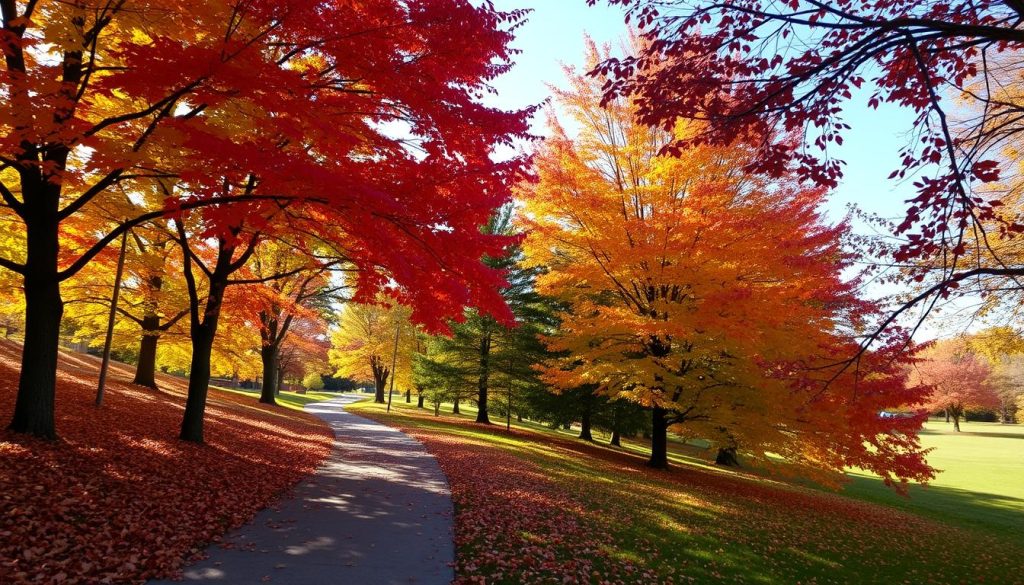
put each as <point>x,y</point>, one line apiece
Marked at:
<point>378,511</point>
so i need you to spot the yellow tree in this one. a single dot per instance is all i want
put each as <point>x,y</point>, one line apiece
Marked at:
<point>702,293</point>
<point>152,303</point>
<point>1002,347</point>
<point>369,340</point>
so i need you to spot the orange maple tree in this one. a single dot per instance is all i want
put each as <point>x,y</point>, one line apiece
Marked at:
<point>959,379</point>
<point>711,295</point>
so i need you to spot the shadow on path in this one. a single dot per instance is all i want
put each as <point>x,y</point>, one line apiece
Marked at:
<point>378,511</point>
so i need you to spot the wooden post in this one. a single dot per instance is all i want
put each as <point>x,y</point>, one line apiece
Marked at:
<point>508,407</point>
<point>110,320</point>
<point>394,363</point>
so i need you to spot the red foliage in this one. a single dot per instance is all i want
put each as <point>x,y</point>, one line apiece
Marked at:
<point>116,499</point>
<point>754,68</point>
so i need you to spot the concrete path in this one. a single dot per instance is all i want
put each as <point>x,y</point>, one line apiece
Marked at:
<point>378,511</point>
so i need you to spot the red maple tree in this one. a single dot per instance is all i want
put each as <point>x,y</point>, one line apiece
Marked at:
<point>780,76</point>
<point>366,115</point>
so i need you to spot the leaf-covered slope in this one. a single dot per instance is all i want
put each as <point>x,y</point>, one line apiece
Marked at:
<point>118,498</point>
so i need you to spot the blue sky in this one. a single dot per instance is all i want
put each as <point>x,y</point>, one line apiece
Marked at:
<point>555,33</point>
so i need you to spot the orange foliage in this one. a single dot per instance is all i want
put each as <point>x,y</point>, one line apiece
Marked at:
<point>711,293</point>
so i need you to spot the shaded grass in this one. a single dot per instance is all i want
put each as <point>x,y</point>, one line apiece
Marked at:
<point>697,523</point>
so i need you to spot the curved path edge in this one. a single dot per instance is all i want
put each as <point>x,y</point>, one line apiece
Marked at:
<point>377,511</point>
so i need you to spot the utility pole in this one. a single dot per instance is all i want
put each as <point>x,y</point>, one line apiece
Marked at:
<point>508,409</point>
<point>110,321</point>
<point>394,363</point>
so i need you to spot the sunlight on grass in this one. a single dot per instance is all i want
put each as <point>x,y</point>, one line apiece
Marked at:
<point>981,482</point>
<point>700,523</point>
<point>292,400</point>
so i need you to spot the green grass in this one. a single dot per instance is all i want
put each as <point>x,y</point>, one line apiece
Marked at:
<point>292,400</point>
<point>718,525</point>
<point>980,483</point>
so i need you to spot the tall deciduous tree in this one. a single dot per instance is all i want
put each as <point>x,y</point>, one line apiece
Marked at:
<point>374,343</point>
<point>754,69</point>
<point>707,294</point>
<point>303,96</point>
<point>289,285</point>
<point>959,379</point>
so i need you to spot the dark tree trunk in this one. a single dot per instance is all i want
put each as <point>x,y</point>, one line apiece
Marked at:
<point>455,406</point>
<point>280,376</point>
<point>956,423</point>
<point>380,379</point>
<point>946,411</point>
<point>519,417</point>
<point>659,439</point>
<point>198,381</point>
<point>202,335</point>
<point>408,395</point>
<point>727,457</point>
<point>616,440</point>
<point>585,433</point>
<point>419,400</point>
<point>33,408</point>
<point>485,373</point>
<point>145,371</point>
<point>271,378</point>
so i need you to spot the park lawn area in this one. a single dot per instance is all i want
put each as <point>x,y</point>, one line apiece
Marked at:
<point>118,498</point>
<point>538,506</point>
<point>292,400</point>
<point>980,483</point>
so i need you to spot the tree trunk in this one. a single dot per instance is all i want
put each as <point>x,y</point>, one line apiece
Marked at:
<point>419,400</point>
<point>437,409</point>
<point>485,373</point>
<point>616,440</point>
<point>198,381</point>
<point>34,406</point>
<point>455,406</point>
<point>145,370</point>
<point>727,457</point>
<point>585,433</point>
<point>268,355</point>
<point>956,423</point>
<point>379,384</point>
<point>659,439</point>
<point>946,411</point>
<point>408,395</point>
<point>280,375</point>
<point>33,409</point>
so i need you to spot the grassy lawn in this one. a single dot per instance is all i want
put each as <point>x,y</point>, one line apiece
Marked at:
<point>981,479</point>
<point>594,514</point>
<point>292,400</point>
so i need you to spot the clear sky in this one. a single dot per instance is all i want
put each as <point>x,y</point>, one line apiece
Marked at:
<point>554,34</point>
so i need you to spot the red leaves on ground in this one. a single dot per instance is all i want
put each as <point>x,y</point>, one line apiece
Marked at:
<point>118,498</point>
